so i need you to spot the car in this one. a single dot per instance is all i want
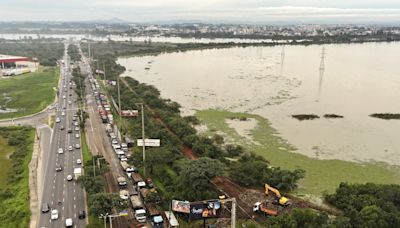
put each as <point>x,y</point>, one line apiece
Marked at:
<point>70,102</point>
<point>123,158</point>
<point>58,120</point>
<point>69,178</point>
<point>64,97</point>
<point>114,141</point>
<point>70,148</point>
<point>61,127</point>
<point>76,135</point>
<point>69,130</point>
<point>76,128</point>
<point>81,214</point>
<point>70,94</point>
<point>75,115</point>
<point>54,214</point>
<point>69,222</point>
<point>60,150</point>
<point>78,161</point>
<point>76,123</point>
<point>77,146</point>
<point>45,208</point>
<point>73,118</point>
<point>59,169</point>
<point>63,113</point>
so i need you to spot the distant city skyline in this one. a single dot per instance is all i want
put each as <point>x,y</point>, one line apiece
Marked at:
<point>248,11</point>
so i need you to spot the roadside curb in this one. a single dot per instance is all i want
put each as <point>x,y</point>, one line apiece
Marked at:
<point>33,185</point>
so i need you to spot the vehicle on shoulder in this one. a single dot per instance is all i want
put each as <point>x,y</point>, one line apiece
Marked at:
<point>45,208</point>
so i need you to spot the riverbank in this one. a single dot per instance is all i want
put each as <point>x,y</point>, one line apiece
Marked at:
<point>321,175</point>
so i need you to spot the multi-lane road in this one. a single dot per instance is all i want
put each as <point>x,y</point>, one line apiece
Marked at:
<point>59,193</point>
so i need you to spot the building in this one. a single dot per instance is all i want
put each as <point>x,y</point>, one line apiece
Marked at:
<point>15,65</point>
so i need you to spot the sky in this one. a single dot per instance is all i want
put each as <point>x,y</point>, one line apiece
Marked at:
<point>250,11</point>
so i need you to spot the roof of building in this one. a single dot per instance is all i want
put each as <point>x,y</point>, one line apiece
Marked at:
<point>11,59</point>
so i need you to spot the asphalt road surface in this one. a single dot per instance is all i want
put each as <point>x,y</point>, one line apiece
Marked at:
<point>65,196</point>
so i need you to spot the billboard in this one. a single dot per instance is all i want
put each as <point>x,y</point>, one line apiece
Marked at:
<point>129,113</point>
<point>202,210</point>
<point>149,142</point>
<point>181,206</point>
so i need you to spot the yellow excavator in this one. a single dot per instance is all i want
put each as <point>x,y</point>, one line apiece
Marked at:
<point>281,200</point>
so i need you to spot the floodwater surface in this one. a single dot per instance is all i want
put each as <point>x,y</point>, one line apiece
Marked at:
<point>352,80</point>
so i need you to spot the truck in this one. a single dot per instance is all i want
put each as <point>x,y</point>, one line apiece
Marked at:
<point>77,173</point>
<point>156,218</point>
<point>136,178</point>
<point>136,202</point>
<point>122,182</point>
<point>140,215</point>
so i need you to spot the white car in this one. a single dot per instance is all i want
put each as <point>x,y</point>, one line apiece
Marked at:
<point>114,141</point>
<point>58,120</point>
<point>60,150</point>
<point>63,113</point>
<point>124,158</point>
<point>69,222</point>
<point>76,135</point>
<point>76,123</point>
<point>78,161</point>
<point>76,128</point>
<point>64,97</point>
<point>70,148</point>
<point>77,146</point>
<point>54,214</point>
<point>69,178</point>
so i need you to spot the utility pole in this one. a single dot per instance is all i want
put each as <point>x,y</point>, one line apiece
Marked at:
<point>119,107</point>
<point>104,72</point>
<point>321,72</point>
<point>143,141</point>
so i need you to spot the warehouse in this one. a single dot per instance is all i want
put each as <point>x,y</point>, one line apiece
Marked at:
<point>16,65</point>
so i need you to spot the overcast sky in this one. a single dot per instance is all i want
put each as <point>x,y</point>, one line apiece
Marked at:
<point>260,11</point>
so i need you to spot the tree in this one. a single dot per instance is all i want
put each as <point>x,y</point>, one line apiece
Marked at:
<point>102,203</point>
<point>194,178</point>
<point>91,184</point>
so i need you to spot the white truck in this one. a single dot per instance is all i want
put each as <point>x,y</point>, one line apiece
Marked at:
<point>138,208</point>
<point>77,173</point>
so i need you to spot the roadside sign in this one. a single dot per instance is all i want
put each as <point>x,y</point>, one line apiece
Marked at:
<point>123,213</point>
<point>181,206</point>
<point>149,142</point>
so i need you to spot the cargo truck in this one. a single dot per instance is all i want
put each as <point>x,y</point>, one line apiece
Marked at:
<point>77,173</point>
<point>156,218</point>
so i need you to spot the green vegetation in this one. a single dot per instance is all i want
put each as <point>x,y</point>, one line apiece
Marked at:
<point>73,52</point>
<point>46,51</point>
<point>320,176</point>
<point>5,162</point>
<point>386,116</point>
<point>30,93</point>
<point>305,117</point>
<point>332,116</point>
<point>368,205</point>
<point>14,195</point>
<point>86,155</point>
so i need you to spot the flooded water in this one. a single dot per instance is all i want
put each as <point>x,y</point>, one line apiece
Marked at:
<point>351,80</point>
<point>18,36</point>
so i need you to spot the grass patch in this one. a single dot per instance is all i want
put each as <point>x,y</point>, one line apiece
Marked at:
<point>14,197</point>
<point>86,155</point>
<point>321,175</point>
<point>386,116</point>
<point>5,163</point>
<point>30,93</point>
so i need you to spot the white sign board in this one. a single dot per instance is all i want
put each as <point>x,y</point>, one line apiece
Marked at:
<point>148,142</point>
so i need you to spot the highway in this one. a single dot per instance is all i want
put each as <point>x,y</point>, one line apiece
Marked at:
<point>66,196</point>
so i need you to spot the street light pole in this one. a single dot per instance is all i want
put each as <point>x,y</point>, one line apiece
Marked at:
<point>144,150</point>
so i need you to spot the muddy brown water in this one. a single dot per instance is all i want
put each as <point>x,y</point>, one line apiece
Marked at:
<point>354,80</point>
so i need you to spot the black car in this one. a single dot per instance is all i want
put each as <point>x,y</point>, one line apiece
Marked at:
<point>45,208</point>
<point>58,168</point>
<point>81,214</point>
